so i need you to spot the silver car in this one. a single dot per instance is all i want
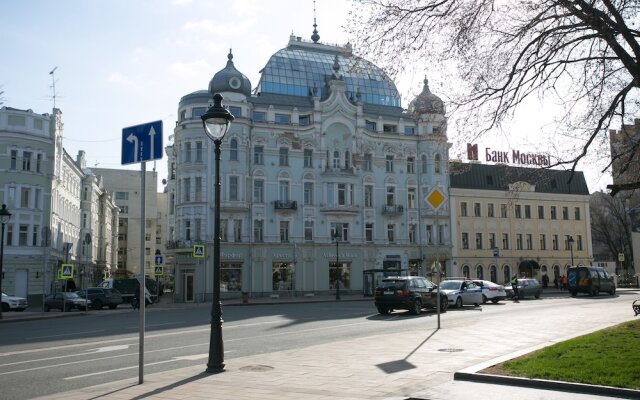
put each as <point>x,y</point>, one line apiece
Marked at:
<point>461,292</point>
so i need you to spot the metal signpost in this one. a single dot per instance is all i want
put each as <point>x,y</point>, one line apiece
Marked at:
<point>142,143</point>
<point>435,200</point>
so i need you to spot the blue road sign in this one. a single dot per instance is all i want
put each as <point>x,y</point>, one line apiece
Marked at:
<point>158,260</point>
<point>198,251</point>
<point>496,251</point>
<point>142,143</point>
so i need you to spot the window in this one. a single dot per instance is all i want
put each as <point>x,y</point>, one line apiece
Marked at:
<point>391,230</point>
<point>476,210</point>
<point>284,156</point>
<point>258,191</point>
<point>37,200</point>
<point>26,161</point>
<point>258,116</point>
<point>235,111</point>
<point>429,232</point>
<point>34,235</point>
<point>283,190</point>
<point>412,233</point>
<point>124,209</point>
<point>24,197</point>
<point>223,230</point>
<point>465,240</point>
<point>463,209</point>
<point>529,241</point>
<point>565,213</point>
<point>368,232</point>
<point>39,163</point>
<point>555,242</point>
<point>370,125</point>
<point>490,210</point>
<point>368,196</point>
<point>368,161</point>
<point>579,242</point>
<point>198,188</point>
<point>527,211</point>
<point>308,158</point>
<point>336,159</point>
<point>553,212</point>
<point>568,242</point>
<point>540,212</point>
<point>503,210</point>
<point>258,155</point>
<point>387,128</point>
<point>187,152</point>
<point>237,230</point>
<point>308,231</point>
<point>389,163</point>
<point>186,185</point>
<point>436,164</point>
<point>308,193</point>
<point>576,213</point>
<point>518,211</point>
<point>409,130</point>
<point>257,230</point>
<point>23,235</point>
<point>233,188</point>
<point>411,198</point>
<point>492,240</point>
<point>423,164</point>
<point>410,165</point>
<point>341,229</point>
<point>282,118</point>
<point>505,241</point>
<point>304,120</point>
<point>345,194</point>
<point>198,111</point>
<point>543,241</point>
<point>233,150</point>
<point>391,196</point>
<point>9,237</point>
<point>478,241</point>
<point>519,241</point>
<point>14,160</point>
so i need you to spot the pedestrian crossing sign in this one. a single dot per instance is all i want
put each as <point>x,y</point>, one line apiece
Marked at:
<point>159,270</point>
<point>65,271</point>
<point>198,251</point>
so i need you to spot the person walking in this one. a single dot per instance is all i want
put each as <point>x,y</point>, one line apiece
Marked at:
<point>563,282</point>
<point>514,287</point>
<point>545,281</point>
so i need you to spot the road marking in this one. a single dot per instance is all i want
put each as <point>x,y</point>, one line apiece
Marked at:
<point>88,352</point>
<point>64,335</point>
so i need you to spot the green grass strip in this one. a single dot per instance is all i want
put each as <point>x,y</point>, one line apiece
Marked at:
<point>609,357</point>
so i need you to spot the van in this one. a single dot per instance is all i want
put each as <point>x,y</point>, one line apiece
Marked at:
<point>591,280</point>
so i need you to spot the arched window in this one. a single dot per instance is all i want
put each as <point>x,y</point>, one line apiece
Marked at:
<point>233,150</point>
<point>507,274</point>
<point>493,271</point>
<point>465,271</point>
<point>479,272</point>
<point>423,164</point>
<point>436,164</point>
<point>347,156</point>
<point>336,159</point>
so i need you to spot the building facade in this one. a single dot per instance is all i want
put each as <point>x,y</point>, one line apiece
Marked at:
<point>325,179</point>
<point>512,220</point>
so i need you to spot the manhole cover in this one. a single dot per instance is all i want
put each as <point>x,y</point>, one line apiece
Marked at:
<point>256,368</point>
<point>450,350</point>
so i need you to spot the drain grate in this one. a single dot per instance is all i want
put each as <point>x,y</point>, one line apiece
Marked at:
<point>257,368</point>
<point>450,350</point>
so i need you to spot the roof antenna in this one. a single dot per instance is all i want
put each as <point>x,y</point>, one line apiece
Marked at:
<point>315,37</point>
<point>53,86</point>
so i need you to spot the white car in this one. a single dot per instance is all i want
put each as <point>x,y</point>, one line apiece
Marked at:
<point>461,292</point>
<point>13,303</point>
<point>491,291</point>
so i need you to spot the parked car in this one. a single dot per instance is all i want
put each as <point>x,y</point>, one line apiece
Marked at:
<point>411,293</point>
<point>66,300</point>
<point>526,287</point>
<point>13,303</point>
<point>101,297</point>
<point>461,292</point>
<point>491,291</point>
<point>589,279</point>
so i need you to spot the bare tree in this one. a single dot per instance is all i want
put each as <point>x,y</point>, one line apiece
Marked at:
<point>610,227</point>
<point>580,54</point>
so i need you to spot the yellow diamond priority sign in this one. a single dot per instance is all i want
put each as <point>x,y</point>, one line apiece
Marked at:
<point>435,198</point>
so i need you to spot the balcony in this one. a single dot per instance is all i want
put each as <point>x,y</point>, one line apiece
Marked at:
<point>392,210</point>
<point>339,208</point>
<point>285,205</point>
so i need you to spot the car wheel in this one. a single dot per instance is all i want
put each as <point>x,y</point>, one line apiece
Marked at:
<point>383,310</point>
<point>97,305</point>
<point>574,294</point>
<point>484,299</point>
<point>594,292</point>
<point>613,291</point>
<point>495,301</point>
<point>113,306</point>
<point>444,304</point>
<point>417,307</point>
<point>5,307</point>
<point>459,302</point>
<point>537,296</point>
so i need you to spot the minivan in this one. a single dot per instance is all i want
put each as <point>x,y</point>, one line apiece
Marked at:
<point>589,279</point>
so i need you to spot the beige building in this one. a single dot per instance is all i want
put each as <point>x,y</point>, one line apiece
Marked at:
<point>508,220</point>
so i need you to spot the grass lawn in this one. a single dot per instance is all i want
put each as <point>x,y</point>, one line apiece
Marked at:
<point>609,357</point>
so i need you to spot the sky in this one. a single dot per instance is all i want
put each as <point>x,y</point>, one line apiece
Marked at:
<point>120,63</point>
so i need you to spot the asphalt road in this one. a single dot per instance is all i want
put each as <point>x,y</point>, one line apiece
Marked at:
<point>56,355</point>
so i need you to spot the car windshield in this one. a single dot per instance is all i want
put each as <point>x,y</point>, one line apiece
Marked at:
<point>393,283</point>
<point>72,295</point>
<point>450,285</point>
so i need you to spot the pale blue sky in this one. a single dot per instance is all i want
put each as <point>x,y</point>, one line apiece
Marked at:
<point>126,62</point>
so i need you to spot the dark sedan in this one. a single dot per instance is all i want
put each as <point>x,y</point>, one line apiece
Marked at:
<point>65,301</point>
<point>411,293</point>
<point>101,297</point>
<point>527,287</point>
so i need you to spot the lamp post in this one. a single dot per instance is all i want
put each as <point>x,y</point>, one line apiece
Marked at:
<point>4,218</point>
<point>336,236</point>
<point>570,241</point>
<point>216,123</point>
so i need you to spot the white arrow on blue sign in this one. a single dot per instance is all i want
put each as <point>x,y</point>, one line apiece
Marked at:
<point>142,143</point>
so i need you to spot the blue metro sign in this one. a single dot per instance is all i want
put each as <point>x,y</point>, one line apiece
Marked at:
<point>142,143</point>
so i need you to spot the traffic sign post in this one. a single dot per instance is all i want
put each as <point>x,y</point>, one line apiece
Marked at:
<point>142,143</point>
<point>198,251</point>
<point>158,260</point>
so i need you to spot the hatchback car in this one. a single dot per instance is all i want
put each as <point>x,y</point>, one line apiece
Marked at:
<point>526,287</point>
<point>13,303</point>
<point>101,297</point>
<point>411,293</point>
<point>491,291</point>
<point>461,292</point>
<point>65,301</point>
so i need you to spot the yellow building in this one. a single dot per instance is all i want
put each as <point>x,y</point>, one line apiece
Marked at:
<point>507,220</point>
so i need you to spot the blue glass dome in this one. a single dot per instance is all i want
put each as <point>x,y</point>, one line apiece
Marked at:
<point>303,69</point>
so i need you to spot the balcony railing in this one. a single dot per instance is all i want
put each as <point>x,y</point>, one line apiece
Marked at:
<point>392,210</point>
<point>285,205</point>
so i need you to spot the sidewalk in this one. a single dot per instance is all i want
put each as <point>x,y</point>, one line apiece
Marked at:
<point>417,365</point>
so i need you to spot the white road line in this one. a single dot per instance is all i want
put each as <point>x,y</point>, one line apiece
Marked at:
<point>64,334</point>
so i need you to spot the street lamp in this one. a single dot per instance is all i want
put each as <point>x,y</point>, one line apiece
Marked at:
<point>570,241</point>
<point>4,218</point>
<point>336,236</point>
<point>216,123</point>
